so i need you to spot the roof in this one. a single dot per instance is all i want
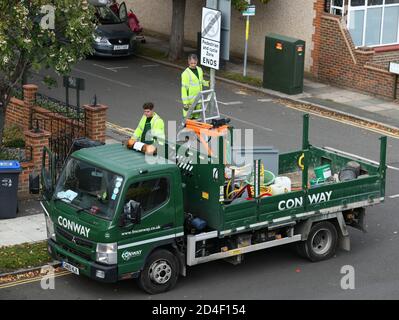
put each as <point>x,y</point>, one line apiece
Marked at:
<point>280,37</point>
<point>120,160</point>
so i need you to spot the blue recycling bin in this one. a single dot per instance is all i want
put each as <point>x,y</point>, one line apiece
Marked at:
<point>9,175</point>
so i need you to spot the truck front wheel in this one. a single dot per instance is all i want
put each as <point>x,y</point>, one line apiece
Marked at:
<point>321,243</point>
<point>160,272</point>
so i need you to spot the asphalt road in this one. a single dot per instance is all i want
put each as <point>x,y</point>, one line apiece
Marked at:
<point>276,273</point>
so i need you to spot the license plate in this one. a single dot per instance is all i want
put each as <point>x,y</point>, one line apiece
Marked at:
<point>70,268</point>
<point>124,47</point>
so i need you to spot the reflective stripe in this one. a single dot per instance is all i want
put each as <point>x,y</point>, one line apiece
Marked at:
<point>148,241</point>
<point>195,84</point>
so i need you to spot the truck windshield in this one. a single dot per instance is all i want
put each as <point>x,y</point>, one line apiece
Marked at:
<point>89,188</point>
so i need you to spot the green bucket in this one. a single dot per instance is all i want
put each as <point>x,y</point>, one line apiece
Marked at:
<point>268,179</point>
<point>323,172</point>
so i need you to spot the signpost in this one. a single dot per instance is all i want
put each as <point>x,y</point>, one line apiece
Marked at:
<point>394,68</point>
<point>210,42</point>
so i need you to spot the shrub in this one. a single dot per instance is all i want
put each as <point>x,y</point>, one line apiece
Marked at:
<point>13,137</point>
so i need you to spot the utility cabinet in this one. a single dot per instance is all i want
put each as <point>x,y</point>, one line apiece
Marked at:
<point>284,64</point>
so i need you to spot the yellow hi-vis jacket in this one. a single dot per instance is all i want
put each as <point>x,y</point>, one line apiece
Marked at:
<point>157,128</point>
<point>191,86</point>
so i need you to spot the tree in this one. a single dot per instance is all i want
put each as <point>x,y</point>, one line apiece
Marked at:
<point>176,43</point>
<point>29,40</point>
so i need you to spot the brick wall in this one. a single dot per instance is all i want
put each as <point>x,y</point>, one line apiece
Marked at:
<point>15,112</point>
<point>341,64</point>
<point>19,112</point>
<point>319,8</point>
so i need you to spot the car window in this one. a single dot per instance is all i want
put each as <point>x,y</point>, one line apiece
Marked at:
<point>105,15</point>
<point>151,194</point>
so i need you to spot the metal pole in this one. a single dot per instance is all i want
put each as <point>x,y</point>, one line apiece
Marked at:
<point>246,43</point>
<point>305,135</point>
<point>395,89</point>
<point>383,163</point>
<point>212,4</point>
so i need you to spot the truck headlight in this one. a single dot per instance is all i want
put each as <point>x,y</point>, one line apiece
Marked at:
<point>50,229</point>
<point>107,253</point>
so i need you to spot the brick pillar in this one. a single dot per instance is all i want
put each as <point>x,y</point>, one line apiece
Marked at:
<point>96,119</point>
<point>30,91</point>
<point>319,8</point>
<point>37,141</point>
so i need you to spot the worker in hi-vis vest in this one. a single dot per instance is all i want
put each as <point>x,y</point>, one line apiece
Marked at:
<point>151,127</point>
<point>192,82</point>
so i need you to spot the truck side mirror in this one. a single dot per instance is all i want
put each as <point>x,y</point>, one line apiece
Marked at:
<point>47,173</point>
<point>131,213</point>
<point>47,185</point>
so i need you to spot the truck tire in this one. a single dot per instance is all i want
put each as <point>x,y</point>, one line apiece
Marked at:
<point>160,272</point>
<point>321,243</point>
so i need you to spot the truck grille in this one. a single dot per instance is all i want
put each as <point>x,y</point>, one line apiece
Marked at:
<point>76,253</point>
<point>79,241</point>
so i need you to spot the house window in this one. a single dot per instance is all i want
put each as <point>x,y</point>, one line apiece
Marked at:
<point>338,7</point>
<point>373,22</point>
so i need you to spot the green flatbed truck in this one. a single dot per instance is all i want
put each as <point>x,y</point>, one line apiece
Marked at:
<point>112,214</point>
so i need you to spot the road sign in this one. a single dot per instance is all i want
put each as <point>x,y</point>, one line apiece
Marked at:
<point>250,11</point>
<point>210,53</point>
<point>210,42</point>
<point>394,67</point>
<point>211,24</point>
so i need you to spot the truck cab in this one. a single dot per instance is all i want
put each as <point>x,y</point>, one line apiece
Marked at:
<point>110,210</point>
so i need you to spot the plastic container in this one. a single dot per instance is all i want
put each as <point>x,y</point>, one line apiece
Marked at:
<point>316,182</point>
<point>281,185</point>
<point>323,172</point>
<point>268,178</point>
<point>9,175</point>
<point>347,174</point>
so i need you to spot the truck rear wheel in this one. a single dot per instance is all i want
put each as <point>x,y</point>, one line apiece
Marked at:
<point>160,272</point>
<point>321,243</point>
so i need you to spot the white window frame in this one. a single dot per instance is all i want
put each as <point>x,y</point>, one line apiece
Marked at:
<point>365,8</point>
<point>332,7</point>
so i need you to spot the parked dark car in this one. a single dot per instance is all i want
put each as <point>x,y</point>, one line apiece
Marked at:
<point>112,37</point>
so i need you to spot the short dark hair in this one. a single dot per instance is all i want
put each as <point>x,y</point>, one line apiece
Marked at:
<point>148,106</point>
<point>192,56</point>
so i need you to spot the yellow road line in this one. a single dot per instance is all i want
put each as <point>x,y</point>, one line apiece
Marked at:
<point>31,280</point>
<point>118,128</point>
